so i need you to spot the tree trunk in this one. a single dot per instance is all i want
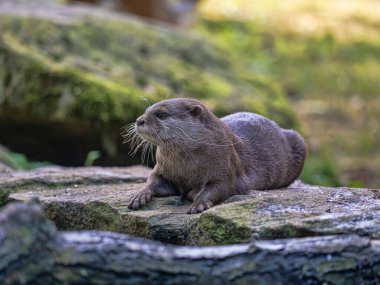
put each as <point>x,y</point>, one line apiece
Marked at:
<point>32,251</point>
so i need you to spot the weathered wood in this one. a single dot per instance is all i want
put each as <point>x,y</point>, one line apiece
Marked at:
<point>32,251</point>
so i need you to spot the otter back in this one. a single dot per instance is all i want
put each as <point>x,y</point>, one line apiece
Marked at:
<point>273,157</point>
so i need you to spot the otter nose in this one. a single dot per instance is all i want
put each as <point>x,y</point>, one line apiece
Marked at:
<point>140,121</point>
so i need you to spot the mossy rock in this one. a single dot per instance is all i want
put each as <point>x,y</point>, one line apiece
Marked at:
<point>97,198</point>
<point>91,68</point>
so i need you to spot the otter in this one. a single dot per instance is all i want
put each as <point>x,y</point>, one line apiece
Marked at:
<point>207,160</point>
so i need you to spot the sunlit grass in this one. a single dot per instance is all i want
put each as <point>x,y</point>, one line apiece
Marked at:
<point>347,18</point>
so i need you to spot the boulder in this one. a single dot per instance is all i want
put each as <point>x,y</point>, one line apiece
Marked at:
<point>72,76</point>
<point>96,198</point>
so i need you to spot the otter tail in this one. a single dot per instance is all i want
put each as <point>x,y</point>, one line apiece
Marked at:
<point>299,150</point>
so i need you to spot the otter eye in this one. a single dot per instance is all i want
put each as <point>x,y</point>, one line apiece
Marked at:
<point>161,115</point>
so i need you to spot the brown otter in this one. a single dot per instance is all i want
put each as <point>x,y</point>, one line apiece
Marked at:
<point>206,159</point>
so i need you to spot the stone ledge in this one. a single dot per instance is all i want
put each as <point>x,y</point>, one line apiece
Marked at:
<point>96,198</point>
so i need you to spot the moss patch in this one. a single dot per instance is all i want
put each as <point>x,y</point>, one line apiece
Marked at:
<point>77,216</point>
<point>4,194</point>
<point>91,68</point>
<point>226,224</point>
<point>95,70</point>
<point>100,203</point>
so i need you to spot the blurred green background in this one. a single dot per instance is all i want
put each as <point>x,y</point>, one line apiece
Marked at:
<point>326,57</point>
<point>310,65</point>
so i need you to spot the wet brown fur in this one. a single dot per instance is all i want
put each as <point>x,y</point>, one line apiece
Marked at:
<point>207,159</point>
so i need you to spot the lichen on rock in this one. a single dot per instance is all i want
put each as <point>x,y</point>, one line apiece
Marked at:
<point>97,198</point>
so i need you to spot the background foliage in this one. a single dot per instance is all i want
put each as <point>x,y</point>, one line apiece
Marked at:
<point>326,56</point>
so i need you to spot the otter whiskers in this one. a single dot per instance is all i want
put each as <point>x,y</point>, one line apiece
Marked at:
<point>137,143</point>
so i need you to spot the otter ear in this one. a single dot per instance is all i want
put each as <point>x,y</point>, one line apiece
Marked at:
<point>195,110</point>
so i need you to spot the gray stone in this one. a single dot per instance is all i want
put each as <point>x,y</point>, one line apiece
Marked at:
<point>97,198</point>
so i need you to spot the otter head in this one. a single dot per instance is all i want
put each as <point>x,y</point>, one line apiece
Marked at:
<point>172,122</point>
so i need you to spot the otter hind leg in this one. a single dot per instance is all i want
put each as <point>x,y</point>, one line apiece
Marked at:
<point>190,196</point>
<point>210,195</point>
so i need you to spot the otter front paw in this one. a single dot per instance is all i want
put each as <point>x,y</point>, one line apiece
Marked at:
<point>140,199</point>
<point>199,207</point>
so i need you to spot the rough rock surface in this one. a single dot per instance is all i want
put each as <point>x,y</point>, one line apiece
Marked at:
<point>33,252</point>
<point>97,198</point>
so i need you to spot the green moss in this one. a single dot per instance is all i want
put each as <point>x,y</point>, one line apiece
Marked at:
<point>96,70</point>
<point>225,225</point>
<point>40,86</point>
<point>136,226</point>
<point>78,216</point>
<point>103,216</point>
<point>208,87</point>
<point>4,194</point>
<point>287,230</point>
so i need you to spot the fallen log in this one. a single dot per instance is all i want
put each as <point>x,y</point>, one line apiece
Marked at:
<point>32,251</point>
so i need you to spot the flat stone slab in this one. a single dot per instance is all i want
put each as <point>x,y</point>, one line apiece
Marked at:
<point>97,198</point>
